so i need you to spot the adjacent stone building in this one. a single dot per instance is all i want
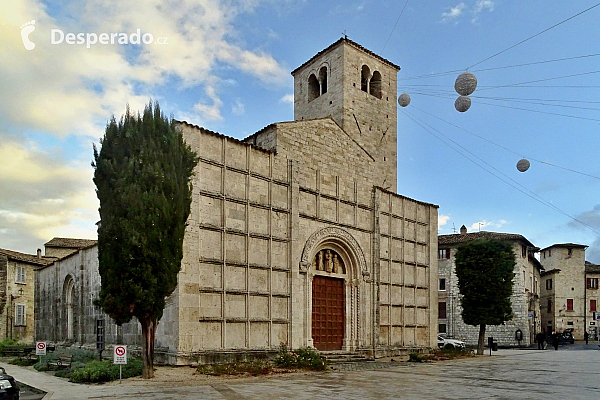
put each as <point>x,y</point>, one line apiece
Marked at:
<point>569,290</point>
<point>17,294</point>
<point>525,297</point>
<point>65,289</point>
<point>296,235</point>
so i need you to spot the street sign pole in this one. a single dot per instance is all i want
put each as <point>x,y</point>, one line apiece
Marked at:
<point>120,357</point>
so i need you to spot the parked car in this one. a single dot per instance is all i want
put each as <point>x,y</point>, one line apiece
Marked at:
<point>454,343</point>
<point>9,390</point>
<point>568,335</point>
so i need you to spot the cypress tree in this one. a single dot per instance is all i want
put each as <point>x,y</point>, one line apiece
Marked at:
<point>485,271</point>
<point>143,176</point>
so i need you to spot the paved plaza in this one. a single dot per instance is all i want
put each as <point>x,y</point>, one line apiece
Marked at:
<point>572,372</point>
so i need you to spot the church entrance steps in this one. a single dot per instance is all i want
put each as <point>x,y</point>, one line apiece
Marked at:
<point>338,357</point>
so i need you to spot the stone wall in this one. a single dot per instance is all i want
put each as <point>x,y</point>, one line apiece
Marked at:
<point>51,301</point>
<point>525,307</point>
<point>407,275</point>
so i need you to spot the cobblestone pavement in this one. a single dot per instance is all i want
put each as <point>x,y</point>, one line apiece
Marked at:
<point>570,373</point>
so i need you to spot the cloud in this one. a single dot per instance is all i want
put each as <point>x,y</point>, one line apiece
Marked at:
<point>480,6</point>
<point>443,219</point>
<point>592,219</point>
<point>482,225</point>
<point>238,107</point>
<point>454,12</point>
<point>288,98</point>
<point>43,196</point>
<point>70,89</point>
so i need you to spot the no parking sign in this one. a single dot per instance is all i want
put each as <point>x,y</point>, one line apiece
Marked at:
<point>40,348</point>
<point>120,354</point>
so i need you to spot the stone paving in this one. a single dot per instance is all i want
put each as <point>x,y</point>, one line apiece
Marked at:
<point>572,372</point>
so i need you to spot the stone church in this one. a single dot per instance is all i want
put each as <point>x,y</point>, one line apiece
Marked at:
<point>297,236</point>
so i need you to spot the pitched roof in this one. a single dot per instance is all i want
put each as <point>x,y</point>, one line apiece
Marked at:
<point>71,243</point>
<point>353,44</point>
<point>592,268</point>
<point>567,245</point>
<point>481,235</point>
<point>28,258</point>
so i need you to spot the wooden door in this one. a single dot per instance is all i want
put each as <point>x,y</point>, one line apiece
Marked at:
<point>328,313</point>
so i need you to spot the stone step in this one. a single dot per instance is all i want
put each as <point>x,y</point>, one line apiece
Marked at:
<point>337,358</point>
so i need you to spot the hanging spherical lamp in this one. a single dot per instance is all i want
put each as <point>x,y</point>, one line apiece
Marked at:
<point>462,103</point>
<point>465,84</point>
<point>523,165</point>
<point>404,100</point>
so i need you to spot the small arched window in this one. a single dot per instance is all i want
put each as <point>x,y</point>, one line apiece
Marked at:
<point>313,87</point>
<point>365,75</point>
<point>375,85</point>
<point>323,79</point>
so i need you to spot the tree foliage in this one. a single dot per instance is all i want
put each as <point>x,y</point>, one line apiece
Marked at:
<point>143,181</point>
<point>485,271</point>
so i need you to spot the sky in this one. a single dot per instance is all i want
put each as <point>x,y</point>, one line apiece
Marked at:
<point>225,65</point>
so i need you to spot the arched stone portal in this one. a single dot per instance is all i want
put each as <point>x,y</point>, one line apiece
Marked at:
<point>336,272</point>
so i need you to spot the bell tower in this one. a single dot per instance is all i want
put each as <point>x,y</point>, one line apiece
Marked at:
<point>358,89</point>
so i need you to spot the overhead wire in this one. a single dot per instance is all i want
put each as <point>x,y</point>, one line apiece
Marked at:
<point>504,147</point>
<point>388,39</point>
<point>533,36</point>
<point>514,186</point>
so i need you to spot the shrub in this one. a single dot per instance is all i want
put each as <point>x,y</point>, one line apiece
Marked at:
<point>25,362</point>
<point>306,357</point>
<point>415,357</point>
<point>105,371</point>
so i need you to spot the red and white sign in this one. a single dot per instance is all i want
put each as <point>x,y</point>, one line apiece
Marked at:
<point>120,354</point>
<point>40,348</point>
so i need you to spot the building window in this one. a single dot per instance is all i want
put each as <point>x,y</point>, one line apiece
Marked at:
<point>442,328</point>
<point>549,253</point>
<point>20,274</point>
<point>548,284</point>
<point>524,251</point>
<point>442,310</point>
<point>443,254</point>
<point>323,79</point>
<point>375,85</point>
<point>592,305</point>
<point>365,75</point>
<point>569,253</point>
<point>569,322</point>
<point>442,284</point>
<point>20,315</point>
<point>549,305</point>
<point>592,283</point>
<point>569,304</point>
<point>314,89</point>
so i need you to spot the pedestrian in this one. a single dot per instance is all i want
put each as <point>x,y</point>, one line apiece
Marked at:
<point>555,340</point>
<point>586,336</point>
<point>540,338</point>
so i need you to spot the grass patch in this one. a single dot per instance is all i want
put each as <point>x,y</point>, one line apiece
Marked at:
<point>25,362</point>
<point>257,367</point>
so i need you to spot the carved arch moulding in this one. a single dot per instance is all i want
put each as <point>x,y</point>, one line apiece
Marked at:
<point>342,238</point>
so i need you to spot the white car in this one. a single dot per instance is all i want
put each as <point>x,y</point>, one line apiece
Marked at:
<point>443,342</point>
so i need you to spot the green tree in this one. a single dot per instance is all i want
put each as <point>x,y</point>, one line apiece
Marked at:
<point>485,271</point>
<point>143,181</point>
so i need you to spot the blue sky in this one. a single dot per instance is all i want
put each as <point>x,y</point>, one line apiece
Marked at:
<point>226,66</point>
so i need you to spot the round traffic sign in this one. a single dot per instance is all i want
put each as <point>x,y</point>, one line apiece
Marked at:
<point>120,350</point>
<point>41,345</point>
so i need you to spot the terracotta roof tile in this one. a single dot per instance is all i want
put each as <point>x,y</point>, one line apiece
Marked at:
<point>71,243</point>
<point>28,258</point>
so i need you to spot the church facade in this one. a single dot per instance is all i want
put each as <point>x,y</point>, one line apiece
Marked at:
<point>297,236</point>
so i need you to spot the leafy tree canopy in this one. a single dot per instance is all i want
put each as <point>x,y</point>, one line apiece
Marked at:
<point>485,271</point>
